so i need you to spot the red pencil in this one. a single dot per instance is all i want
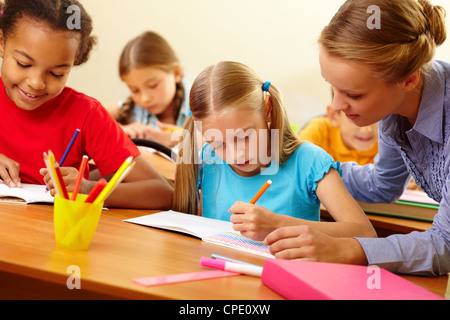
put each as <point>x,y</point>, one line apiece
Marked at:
<point>61,181</point>
<point>101,184</point>
<point>79,177</point>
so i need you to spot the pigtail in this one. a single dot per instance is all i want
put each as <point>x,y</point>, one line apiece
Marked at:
<point>126,112</point>
<point>288,141</point>
<point>186,194</point>
<point>179,98</point>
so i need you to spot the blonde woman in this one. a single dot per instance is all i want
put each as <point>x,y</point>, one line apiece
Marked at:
<point>388,75</point>
<point>249,141</point>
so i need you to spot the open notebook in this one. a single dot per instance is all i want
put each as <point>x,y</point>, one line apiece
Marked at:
<point>209,230</point>
<point>29,193</point>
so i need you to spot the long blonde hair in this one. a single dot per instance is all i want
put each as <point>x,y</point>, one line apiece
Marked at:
<point>217,89</point>
<point>405,41</point>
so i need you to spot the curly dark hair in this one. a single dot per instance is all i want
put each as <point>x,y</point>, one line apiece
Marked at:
<point>56,14</point>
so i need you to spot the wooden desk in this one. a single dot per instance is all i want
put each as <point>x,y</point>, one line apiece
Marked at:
<point>31,266</point>
<point>165,166</point>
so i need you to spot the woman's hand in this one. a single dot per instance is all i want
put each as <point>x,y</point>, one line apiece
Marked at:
<point>304,242</point>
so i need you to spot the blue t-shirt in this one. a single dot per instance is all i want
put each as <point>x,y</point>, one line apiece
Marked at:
<point>293,189</point>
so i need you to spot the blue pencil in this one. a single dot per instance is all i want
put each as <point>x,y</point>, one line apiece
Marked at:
<point>74,137</point>
<point>216,256</point>
<point>61,162</point>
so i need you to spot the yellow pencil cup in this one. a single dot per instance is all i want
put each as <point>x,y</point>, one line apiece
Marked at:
<point>75,222</point>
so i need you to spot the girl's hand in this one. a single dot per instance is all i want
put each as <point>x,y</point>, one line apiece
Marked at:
<point>305,243</point>
<point>167,126</point>
<point>143,131</point>
<point>137,130</point>
<point>9,172</point>
<point>253,221</point>
<point>69,176</point>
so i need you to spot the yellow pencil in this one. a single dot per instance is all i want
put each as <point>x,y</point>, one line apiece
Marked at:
<point>50,161</point>
<point>172,129</point>
<point>261,191</point>
<point>117,178</point>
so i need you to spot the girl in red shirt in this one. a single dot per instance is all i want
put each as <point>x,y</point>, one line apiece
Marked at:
<point>40,42</point>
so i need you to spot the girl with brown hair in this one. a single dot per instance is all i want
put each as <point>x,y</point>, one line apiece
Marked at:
<point>157,105</point>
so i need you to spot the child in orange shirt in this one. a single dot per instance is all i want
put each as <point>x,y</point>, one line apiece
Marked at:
<point>341,138</point>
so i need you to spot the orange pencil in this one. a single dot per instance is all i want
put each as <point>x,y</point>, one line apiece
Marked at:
<point>261,191</point>
<point>79,177</point>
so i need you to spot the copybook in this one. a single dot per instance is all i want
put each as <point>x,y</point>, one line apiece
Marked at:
<point>28,193</point>
<point>304,280</point>
<point>209,230</point>
<point>413,204</point>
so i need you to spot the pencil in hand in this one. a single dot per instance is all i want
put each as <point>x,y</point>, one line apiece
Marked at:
<point>261,191</point>
<point>66,152</point>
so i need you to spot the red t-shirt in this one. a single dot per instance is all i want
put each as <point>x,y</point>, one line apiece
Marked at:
<point>26,135</point>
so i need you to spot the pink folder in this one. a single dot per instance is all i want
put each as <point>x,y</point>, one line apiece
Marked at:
<point>329,281</point>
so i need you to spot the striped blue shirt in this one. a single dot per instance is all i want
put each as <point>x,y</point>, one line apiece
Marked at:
<point>422,152</point>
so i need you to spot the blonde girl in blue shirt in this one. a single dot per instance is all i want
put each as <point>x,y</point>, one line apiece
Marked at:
<point>392,80</point>
<point>243,119</point>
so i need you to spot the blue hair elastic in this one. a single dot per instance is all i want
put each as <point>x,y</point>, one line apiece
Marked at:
<point>190,113</point>
<point>266,86</point>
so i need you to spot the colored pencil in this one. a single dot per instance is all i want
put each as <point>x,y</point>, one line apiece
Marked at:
<point>49,160</point>
<point>49,169</point>
<point>100,185</point>
<point>216,256</point>
<point>65,194</point>
<point>261,191</point>
<point>74,137</point>
<point>79,177</point>
<point>61,162</point>
<point>119,175</point>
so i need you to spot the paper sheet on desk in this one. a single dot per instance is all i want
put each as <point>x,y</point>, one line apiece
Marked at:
<point>196,226</point>
<point>416,196</point>
<point>30,193</point>
<point>209,230</point>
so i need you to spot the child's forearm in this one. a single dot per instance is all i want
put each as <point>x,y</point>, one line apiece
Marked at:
<point>335,229</point>
<point>143,194</point>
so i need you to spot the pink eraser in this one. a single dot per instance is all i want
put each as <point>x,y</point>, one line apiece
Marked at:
<point>212,263</point>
